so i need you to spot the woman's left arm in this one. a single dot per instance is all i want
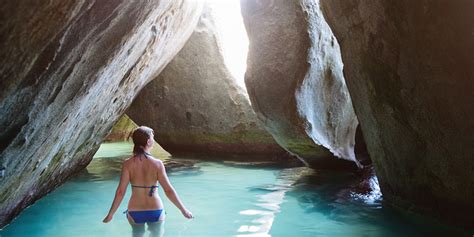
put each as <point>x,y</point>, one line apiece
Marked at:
<point>120,193</point>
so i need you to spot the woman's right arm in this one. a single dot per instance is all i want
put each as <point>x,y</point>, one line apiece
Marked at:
<point>119,193</point>
<point>170,192</point>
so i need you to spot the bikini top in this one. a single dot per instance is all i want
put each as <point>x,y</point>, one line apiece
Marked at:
<point>152,188</point>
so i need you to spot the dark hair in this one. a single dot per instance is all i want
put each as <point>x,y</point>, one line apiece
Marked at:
<point>140,138</point>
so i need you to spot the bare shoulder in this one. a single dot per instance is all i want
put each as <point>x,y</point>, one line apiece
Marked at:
<point>157,162</point>
<point>126,162</point>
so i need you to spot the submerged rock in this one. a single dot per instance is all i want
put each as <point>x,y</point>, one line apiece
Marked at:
<point>295,81</point>
<point>196,107</point>
<point>409,67</point>
<point>68,70</point>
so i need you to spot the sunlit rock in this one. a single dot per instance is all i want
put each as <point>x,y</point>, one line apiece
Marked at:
<point>122,130</point>
<point>68,71</point>
<point>295,82</point>
<point>409,67</point>
<point>196,107</point>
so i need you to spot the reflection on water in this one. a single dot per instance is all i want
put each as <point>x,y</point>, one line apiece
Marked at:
<point>330,195</point>
<point>226,200</point>
<point>109,169</point>
<point>327,200</point>
<point>270,202</point>
<point>101,169</point>
<point>124,149</point>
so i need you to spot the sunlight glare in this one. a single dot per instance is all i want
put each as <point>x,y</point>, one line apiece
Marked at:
<point>233,37</point>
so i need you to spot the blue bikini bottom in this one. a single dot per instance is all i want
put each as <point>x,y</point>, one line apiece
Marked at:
<point>140,217</point>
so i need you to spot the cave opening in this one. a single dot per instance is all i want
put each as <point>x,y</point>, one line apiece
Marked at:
<point>360,148</point>
<point>233,36</point>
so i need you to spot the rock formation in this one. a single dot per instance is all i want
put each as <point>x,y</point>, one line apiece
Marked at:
<point>68,70</point>
<point>196,107</point>
<point>409,67</point>
<point>295,82</point>
<point>122,130</point>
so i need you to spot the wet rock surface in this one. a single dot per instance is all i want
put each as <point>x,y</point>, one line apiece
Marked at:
<point>69,69</point>
<point>295,82</point>
<point>409,69</point>
<point>197,108</point>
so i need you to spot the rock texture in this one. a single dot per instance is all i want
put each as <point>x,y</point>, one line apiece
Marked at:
<point>196,107</point>
<point>68,71</point>
<point>122,130</point>
<point>295,81</point>
<point>409,67</point>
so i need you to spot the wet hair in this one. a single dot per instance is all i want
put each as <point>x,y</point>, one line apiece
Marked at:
<point>140,138</point>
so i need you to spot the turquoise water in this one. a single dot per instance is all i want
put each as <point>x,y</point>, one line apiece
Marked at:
<point>227,199</point>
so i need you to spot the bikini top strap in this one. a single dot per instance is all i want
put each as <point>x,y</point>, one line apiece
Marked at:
<point>152,188</point>
<point>144,153</point>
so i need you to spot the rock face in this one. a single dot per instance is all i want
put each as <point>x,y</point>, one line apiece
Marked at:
<point>295,81</point>
<point>196,107</point>
<point>409,67</point>
<point>68,70</point>
<point>122,130</point>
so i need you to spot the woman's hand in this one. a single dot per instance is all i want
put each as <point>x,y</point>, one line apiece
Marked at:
<point>186,213</point>
<point>107,219</point>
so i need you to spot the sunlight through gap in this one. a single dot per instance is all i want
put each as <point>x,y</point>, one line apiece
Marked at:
<point>233,36</point>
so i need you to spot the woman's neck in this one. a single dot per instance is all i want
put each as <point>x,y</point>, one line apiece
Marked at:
<point>142,149</point>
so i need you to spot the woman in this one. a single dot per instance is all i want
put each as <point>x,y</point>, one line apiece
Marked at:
<point>142,171</point>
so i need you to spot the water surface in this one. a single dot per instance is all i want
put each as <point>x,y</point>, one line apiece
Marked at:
<point>227,199</point>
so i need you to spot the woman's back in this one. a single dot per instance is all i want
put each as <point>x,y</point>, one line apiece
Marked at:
<point>143,172</point>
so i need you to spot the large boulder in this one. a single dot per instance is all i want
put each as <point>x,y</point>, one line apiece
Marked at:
<point>409,67</point>
<point>68,71</point>
<point>196,107</point>
<point>295,82</point>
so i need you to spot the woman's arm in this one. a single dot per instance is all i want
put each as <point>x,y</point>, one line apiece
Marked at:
<point>120,193</point>
<point>170,192</point>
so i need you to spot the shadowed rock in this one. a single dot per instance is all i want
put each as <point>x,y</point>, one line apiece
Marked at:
<point>409,67</point>
<point>295,82</point>
<point>68,71</point>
